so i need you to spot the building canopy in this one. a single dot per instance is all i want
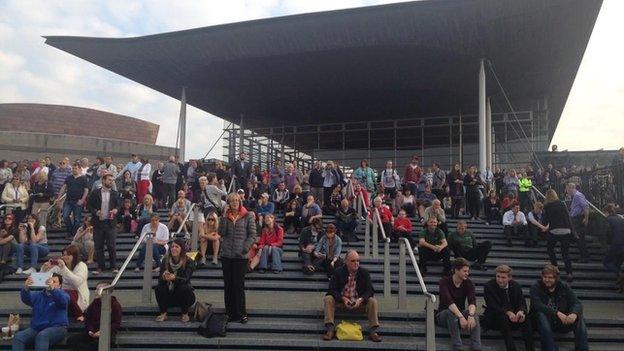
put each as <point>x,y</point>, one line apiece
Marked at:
<point>392,61</point>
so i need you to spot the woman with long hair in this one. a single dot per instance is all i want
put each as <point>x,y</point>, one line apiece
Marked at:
<point>557,220</point>
<point>144,178</point>
<point>8,234</point>
<point>84,240</point>
<point>33,240</point>
<point>127,186</point>
<point>238,233</point>
<point>144,212</point>
<point>174,287</point>
<point>271,242</point>
<point>210,235</point>
<point>473,194</point>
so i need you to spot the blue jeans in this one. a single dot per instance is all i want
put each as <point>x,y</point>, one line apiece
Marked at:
<point>546,330</point>
<point>276,258</point>
<point>157,251</point>
<point>35,251</point>
<point>448,320</point>
<point>42,340</point>
<point>68,208</point>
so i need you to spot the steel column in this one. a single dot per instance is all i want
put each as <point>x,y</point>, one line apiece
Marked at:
<point>182,123</point>
<point>488,134</point>
<point>482,118</point>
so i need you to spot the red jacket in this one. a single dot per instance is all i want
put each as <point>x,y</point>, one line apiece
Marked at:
<point>384,214</point>
<point>412,175</point>
<point>405,222</point>
<point>272,238</point>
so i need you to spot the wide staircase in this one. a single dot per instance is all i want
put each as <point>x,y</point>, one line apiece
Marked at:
<point>275,327</point>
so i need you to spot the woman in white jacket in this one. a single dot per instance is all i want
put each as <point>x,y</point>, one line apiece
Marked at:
<point>74,273</point>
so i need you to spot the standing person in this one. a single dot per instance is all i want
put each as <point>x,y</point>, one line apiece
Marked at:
<point>16,193</point>
<point>511,183</point>
<point>390,181</point>
<point>464,244</point>
<point>525,184</point>
<point>515,223</point>
<point>506,309</point>
<point>330,180</point>
<point>157,184</point>
<point>103,205</point>
<point>316,183</point>
<point>238,233</point>
<point>456,189</point>
<point>557,220</point>
<point>555,308</point>
<point>277,174</point>
<point>365,176</point>
<point>473,194</point>
<point>241,169</point>
<point>615,255</point>
<point>438,185</point>
<point>432,246</point>
<point>48,325</point>
<point>174,287</point>
<point>6,174</point>
<point>412,174</point>
<point>579,212</point>
<point>452,312</point>
<point>292,178</point>
<point>42,194</point>
<point>143,179</point>
<point>77,188</point>
<point>170,173</point>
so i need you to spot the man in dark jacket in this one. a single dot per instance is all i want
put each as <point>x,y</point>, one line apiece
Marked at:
<point>89,338</point>
<point>615,256</point>
<point>242,170</point>
<point>316,183</point>
<point>506,309</point>
<point>308,239</point>
<point>351,290</point>
<point>556,309</point>
<point>103,204</point>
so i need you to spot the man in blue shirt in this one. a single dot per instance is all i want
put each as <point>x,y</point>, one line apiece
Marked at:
<point>579,212</point>
<point>48,325</point>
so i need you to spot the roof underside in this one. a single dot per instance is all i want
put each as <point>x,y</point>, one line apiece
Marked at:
<point>392,61</point>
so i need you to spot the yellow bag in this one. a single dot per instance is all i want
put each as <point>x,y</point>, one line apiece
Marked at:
<point>349,331</point>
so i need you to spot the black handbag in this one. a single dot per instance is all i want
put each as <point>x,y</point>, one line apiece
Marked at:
<point>213,325</point>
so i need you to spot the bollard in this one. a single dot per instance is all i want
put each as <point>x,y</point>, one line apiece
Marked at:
<point>387,281</point>
<point>402,276</point>
<point>375,240</point>
<point>105,321</point>
<point>195,231</point>
<point>147,270</point>
<point>367,238</point>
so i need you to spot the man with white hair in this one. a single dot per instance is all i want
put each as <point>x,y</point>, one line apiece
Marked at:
<point>436,211</point>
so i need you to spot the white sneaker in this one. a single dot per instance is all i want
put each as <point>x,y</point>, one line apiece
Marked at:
<point>415,250</point>
<point>30,271</point>
<point>19,271</point>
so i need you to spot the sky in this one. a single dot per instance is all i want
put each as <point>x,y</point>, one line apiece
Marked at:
<point>33,72</point>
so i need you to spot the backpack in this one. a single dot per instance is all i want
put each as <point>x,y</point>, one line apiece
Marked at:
<point>349,331</point>
<point>201,310</point>
<point>213,325</point>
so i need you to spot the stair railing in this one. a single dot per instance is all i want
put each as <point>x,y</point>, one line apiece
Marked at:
<point>232,182</point>
<point>11,206</point>
<point>106,291</point>
<point>195,230</point>
<point>430,298</point>
<point>588,202</point>
<point>378,227</point>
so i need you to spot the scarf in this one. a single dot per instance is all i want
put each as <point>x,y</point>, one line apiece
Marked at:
<point>174,268</point>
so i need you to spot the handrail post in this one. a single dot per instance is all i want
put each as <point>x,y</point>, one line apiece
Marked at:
<point>430,328</point>
<point>387,279</point>
<point>375,241</point>
<point>195,231</point>
<point>359,205</point>
<point>402,277</point>
<point>105,321</point>
<point>367,238</point>
<point>146,296</point>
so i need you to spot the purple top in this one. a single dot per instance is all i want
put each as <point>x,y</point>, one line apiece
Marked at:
<point>579,204</point>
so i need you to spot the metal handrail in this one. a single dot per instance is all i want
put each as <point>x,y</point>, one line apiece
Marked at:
<point>588,202</point>
<point>9,206</point>
<point>184,221</point>
<point>232,181</point>
<point>431,298</point>
<point>376,226</point>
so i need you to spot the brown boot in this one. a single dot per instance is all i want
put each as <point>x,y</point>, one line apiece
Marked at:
<point>374,336</point>
<point>329,335</point>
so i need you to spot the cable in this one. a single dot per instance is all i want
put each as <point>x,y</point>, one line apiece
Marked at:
<point>216,141</point>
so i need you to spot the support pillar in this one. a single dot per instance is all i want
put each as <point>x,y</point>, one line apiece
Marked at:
<point>241,141</point>
<point>482,113</point>
<point>182,123</point>
<point>488,134</point>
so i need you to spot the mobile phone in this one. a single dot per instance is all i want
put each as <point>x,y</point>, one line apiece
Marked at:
<point>54,261</point>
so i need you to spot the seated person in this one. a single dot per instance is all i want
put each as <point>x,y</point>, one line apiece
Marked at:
<point>402,228</point>
<point>48,324</point>
<point>359,189</point>
<point>308,240</point>
<point>409,202</point>
<point>346,222</point>
<point>210,235</point>
<point>74,273</point>
<point>174,287</point>
<point>145,210</point>
<point>87,340</point>
<point>160,238</point>
<point>264,207</point>
<point>536,229</point>
<point>507,202</point>
<point>387,220</point>
<point>327,251</point>
<point>292,216</point>
<point>181,207</point>
<point>280,197</point>
<point>351,290</point>
<point>464,244</point>
<point>556,309</point>
<point>310,211</point>
<point>33,240</point>
<point>515,223</point>
<point>506,309</point>
<point>492,207</point>
<point>84,240</point>
<point>334,200</point>
<point>425,199</point>
<point>9,233</point>
<point>432,246</point>
<point>297,194</point>
<point>126,215</point>
<point>436,210</point>
<point>270,245</point>
<point>452,313</point>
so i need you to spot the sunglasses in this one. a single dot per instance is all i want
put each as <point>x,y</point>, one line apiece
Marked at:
<point>210,220</point>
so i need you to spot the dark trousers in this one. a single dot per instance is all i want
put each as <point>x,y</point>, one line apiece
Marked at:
<point>409,209</point>
<point>614,259</point>
<point>550,324</point>
<point>456,205</point>
<point>473,203</point>
<point>515,230</point>
<point>564,240</point>
<point>324,264</point>
<point>479,253</point>
<point>581,231</point>
<point>500,322</point>
<point>83,342</point>
<point>105,234</point>
<point>493,214</point>
<point>525,201</point>
<point>170,194</point>
<point>439,193</point>
<point>181,296</point>
<point>327,191</point>
<point>534,233</point>
<point>294,221</point>
<point>426,254</point>
<point>234,270</point>
<point>347,230</point>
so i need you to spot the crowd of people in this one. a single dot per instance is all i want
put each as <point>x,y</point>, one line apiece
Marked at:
<point>240,230</point>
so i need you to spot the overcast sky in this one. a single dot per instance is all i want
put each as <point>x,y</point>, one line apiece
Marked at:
<point>31,71</point>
